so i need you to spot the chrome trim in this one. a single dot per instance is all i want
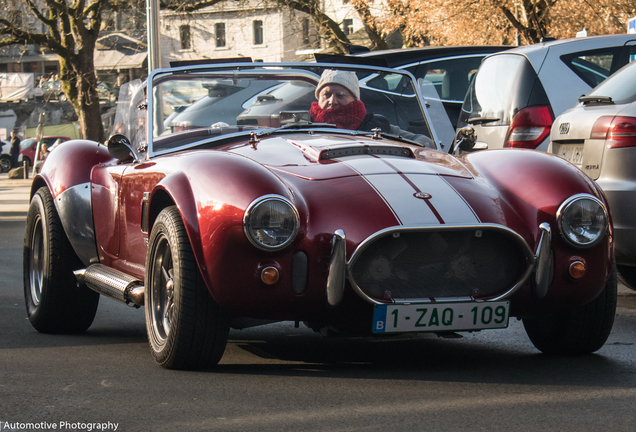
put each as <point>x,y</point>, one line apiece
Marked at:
<point>362,246</point>
<point>563,207</point>
<point>247,215</point>
<point>543,272</point>
<point>337,269</point>
<point>113,284</point>
<point>74,206</point>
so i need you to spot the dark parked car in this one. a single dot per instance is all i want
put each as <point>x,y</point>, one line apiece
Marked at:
<point>353,232</point>
<point>516,94</point>
<point>449,68</point>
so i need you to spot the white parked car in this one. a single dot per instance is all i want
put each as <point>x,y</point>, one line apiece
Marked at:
<point>516,94</point>
<point>599,136</point>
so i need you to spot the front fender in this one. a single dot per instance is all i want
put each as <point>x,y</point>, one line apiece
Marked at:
<point>70,164</point>
<point>532,185</point>
<point>211,196</point>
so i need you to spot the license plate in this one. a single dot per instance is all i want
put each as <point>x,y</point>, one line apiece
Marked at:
<point>435,317</point>
<point>572,153</point>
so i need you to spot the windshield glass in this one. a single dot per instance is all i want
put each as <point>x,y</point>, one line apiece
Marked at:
<point>25,144</point>
<point>264,97</point>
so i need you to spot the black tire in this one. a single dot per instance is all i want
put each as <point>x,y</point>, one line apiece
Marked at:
<point>5,164</point>
<point>627,275</point>
<point>55,303</point>
<point>186,328</point>
<point>580,331</point>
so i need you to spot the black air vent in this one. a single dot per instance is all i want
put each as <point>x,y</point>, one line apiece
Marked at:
<point>362,150</point>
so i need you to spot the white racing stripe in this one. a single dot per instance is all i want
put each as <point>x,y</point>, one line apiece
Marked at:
<point>396,182</point>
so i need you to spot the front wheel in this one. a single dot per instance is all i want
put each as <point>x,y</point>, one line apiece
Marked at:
<point>55,303</point>
<point>579,331</point>
<point>186,328</point>
<point>5,163</point>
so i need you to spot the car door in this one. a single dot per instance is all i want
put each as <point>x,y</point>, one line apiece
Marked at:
<point>106,201</point>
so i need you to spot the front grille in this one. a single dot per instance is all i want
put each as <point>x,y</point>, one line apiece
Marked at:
<point>481,263</point>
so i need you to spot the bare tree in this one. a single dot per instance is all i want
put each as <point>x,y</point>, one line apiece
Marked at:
<point>70,30</point>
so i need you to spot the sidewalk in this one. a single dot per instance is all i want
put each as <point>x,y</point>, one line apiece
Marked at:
<point>14,198</point>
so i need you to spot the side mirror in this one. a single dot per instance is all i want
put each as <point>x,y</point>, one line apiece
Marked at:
<point>119,147</point>
<point>465,139</point>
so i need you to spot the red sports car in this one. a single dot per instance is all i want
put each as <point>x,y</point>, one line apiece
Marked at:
<point>346,214</point>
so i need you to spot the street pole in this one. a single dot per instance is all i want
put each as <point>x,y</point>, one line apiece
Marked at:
<point>152,29</point>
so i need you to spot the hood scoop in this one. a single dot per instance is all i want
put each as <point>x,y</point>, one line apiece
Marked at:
<point>324,150</point>
<point>338,153</point>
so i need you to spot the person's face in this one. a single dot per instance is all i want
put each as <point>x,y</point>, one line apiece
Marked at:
<point>334,96</point>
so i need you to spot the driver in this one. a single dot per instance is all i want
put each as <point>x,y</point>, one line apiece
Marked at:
<point>338,94</point>
<point>339,103</point>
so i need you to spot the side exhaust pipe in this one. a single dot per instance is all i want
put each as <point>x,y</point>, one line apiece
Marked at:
<point>113,284</point>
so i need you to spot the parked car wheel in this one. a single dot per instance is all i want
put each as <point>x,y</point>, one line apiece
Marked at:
<point>580,331</point>
<point>5,163</point>
<point>55,302</point>
<point>186,328</point>
<point>627,275</point>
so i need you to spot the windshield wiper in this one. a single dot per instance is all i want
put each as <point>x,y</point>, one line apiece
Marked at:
<point>481,120</point>
<point>600,100</point>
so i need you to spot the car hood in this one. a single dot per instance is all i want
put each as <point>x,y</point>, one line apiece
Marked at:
<point>322,157</point>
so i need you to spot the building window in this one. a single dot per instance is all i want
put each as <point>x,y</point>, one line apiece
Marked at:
<point>219,30</point>
<point>184,35</point>
<point>305,31</point>
<point>347,26</point>
<point>258,32</point>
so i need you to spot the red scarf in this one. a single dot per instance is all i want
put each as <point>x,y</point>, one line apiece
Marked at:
<point>345,117</point>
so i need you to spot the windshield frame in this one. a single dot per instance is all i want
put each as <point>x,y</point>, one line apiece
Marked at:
<point>270,71</point>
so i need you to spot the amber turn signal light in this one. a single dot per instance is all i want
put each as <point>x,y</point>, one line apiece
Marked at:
<point>577,269</point>
<point>270,275</point>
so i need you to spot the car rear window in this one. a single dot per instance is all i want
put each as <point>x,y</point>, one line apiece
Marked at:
<point>503,85</point>
<point>594,67</point>
<point>621,87</point>
<point>451,77</point>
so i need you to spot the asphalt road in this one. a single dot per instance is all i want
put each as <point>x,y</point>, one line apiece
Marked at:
<point>278,378</point>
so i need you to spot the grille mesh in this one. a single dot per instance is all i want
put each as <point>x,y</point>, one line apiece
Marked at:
<point>436,264</point>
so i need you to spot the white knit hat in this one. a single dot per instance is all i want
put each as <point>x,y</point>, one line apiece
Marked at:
<point>347,79</point>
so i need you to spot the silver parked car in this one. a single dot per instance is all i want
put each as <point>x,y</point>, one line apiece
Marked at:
<point>598,135</point>
<point>516,94</point>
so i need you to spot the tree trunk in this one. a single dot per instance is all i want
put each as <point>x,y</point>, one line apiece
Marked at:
<point>80,85</point>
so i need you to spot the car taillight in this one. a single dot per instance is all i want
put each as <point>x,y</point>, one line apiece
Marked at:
<point>619,131</point>
<point>529,127</point>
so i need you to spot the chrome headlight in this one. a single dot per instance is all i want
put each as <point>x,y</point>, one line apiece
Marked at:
<point>582,220</point>
<point>271,222</point>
